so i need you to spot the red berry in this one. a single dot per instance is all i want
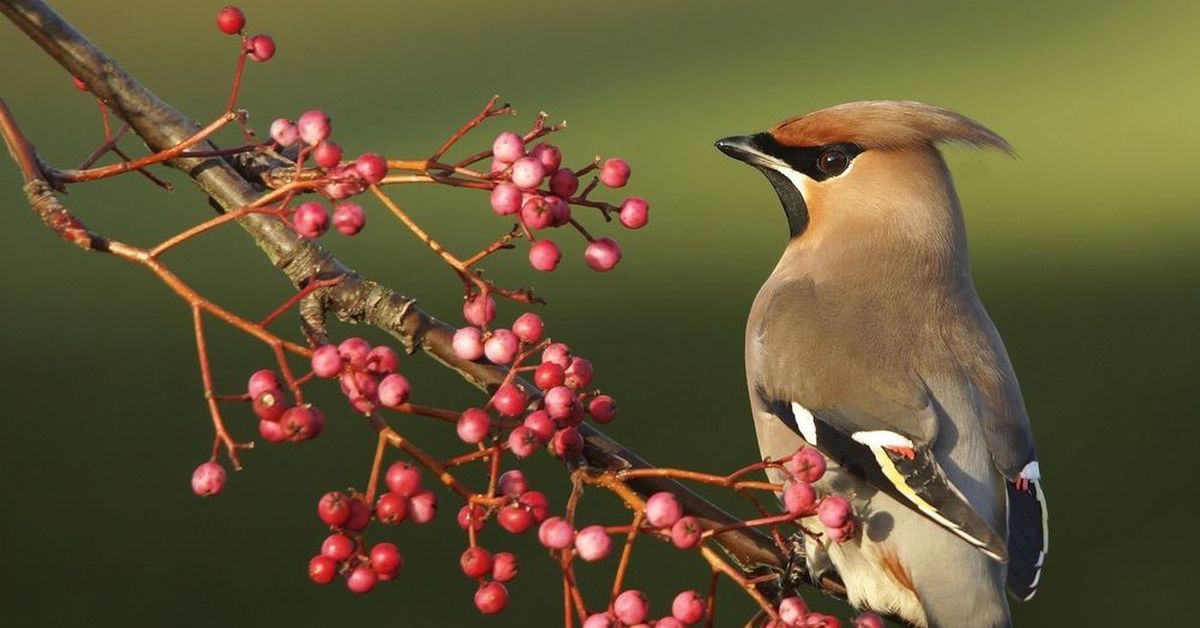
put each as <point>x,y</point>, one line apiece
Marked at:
<point>261,48</point>
<point>302,423</point>
<point>537,504</point>
<point>556,533</point>
<point>491,598</point>
<point>269,405</point>
<point>635,212</point>
<point>231,20</point>
<point>557,402</point>
<point>322,569</point>
<point>371,167</point>
<point>356,351</point>
<point>548,154</point>
<point>471,516</point>
<point>614,173</point>
<point>842,533</point>
<point>808,465</point>
<point>349,218</point>
<point>688,607</point>
<point>382,360</point>
<point>386,559</point>
<point>334,508</point>
<point>663,509</point>
<point>508,146</point>
<point>504,567</point>
<point>558,353</point>
<point>564,183</point>
<point>868,620</point>
<point>513,482</point>
<point>685,534</point>
<point>593,543</point>
<point>326,361</point>
<point>529,328</point>
<point>476,562</point>
<point>468,343</point>
<point>548,375</point>
<point>527,173</point>
<point>798,498</point>
<point>631,607</point>
<point>422,507</point>
<point>541,425</point>
<point>391,509</point>
<point>208,479</point>
<point>403,479</point>
<point>327,154</point>
<point>544,255</point>
<point>501,347</point>
<point>473,425</point>
<point>602,254</point>
<point>536,213</point>
<point>566,443</point>
<point>271,431</point>
<point>339,547</point>
<point>361,580</point>
<point>603,408</point>
<point>261,381</point>
<point>311,219</point>
<point>314,126</point>
<point>792,610</point>
<point>522,442</point>
<point>506,199</point>
<point>560,211</point>
<point>579,374</point>
<point>509,400</point>
<point>284,132</point>
<point>394,390</point>
<point>514,518</point>
<point>479,310</point>
<point>834,511</point>
<point>360,516</point>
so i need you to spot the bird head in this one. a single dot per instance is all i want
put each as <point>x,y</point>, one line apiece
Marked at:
<point>872,167</point>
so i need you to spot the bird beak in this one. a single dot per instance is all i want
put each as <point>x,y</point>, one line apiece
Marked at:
<point>748,149</point>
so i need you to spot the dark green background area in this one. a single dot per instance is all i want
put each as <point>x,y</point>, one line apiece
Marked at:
<point>1084,250</point>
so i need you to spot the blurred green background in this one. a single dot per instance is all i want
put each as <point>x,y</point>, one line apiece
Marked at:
<point>1084,249</point>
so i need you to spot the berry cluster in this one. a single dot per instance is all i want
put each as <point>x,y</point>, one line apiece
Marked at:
<point>231,21</point>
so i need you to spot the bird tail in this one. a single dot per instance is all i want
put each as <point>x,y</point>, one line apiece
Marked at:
<point>1028,538</point>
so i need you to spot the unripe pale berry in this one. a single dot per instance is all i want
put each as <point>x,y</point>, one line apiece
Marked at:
<point>602,254</point>
<point>799,498</point>
<point>556,533</point>
<point>422,507</point>
<point>473,425</point>
<point>349,218</point>
<point>508,146</point>
<point>578,374</point>
<point>529,328</point>
<point>491,598</point>
<point>537,504</point>
<point>564,183</point>
<point>548,375</point>
<point>269,405</point>
<point>540,424</point>
<point>527,173</point>
<point>322,569</point>
<point>522,442</point>
<point>386,559</point>
<point>513,482</point>
<point>808,465</point>
<point>593,543</point>
<point>334,508</point>
<point>566,443</point>
<point>468,343</point>
<point>284,132</point>
<point>603,408</point>
<point>391,509</point>
<point>515,518</point>
<point>834,511</point>
<point>311,219</point>
<point>506,199</point>
<point>501,347</point>
<point>509,400</point>
<point>544,255</point>
<point>504,567</point>
<point>326,361</point>
<point>792,610</point>
<point>476,562</point>
<point>663,509</point>
<point>361,580</point>
<point>261,48</point>
<point>314,126</point>
<point>338,546</point>
<point>635,212</point>
<point>394,390</point>
<point>470,516</point>
<point>536,213</point>
<point>631,607</point>
<point>208,479</point>
<point>403,479</point>
<point>262,381</point>
<point>479,310</point>
<point>371,167</point>
<point>327,154</point>
<point>231,20</point>
<point>688,607</point>
<point>614,172</point>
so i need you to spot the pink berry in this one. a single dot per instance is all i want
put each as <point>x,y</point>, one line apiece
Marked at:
<point>631,607</point>
<point>593,543</point>
<point>360,516</point>
<point>499,165</point>
<point>564,183</point>
<point>476,562</point>
<point>361,580</point>
<point>326,361</point>
<point>685,534</point>
<point>663,509</point>
<point>356,351</point>
<point>513,482</point>
<point>394,390</point>
<point>468,343</point>
<point>527,173</point>
<point>271,431</point>
<point>560,211</point>
<point>529,328</point>
<point>548,154</point>
<point>667,622</point>
<point>558,353</point>
<point>501,347</point>
<point>578,374</point>
<point>514,518</point>
<point>799,498</point>
<point>635,212</point>
<point>386,559</point>
<point>382,360</point>
<point>338,546</point>
<point>269,405</point>
<point>544,255</point>
<point>688,607</point>
<point>314,126</point>
<point>327,154</point>
<point>548,375</point>
<point>311,219</point>
<point>471,516</point>
<point>792,610</point>
<point>261,48</point>
<point>522,442</point>
<point>504,567</point>
<point>537,504</point>
<point>473,425</point>
<point>808,465</point>
<point>614,173</point>
<point>508,146</point>
<point>602,254</point>
<point>334,508</point>
<point>509,400</point>
<point>479,310</point>
<point>603,408</point>
<point>344,183</point>
<point>349,218</point>
<point>842,533</point>
<point>284,132</point>
<point>540,424</point>
<point>834,511</point>
<point>422,507</point>
<point>262,381</point>
<point>598,620</point>
<point>556,533</point>
<point>391,509</point>
<point>506,199</point>
<point>536,213</point>
<point>371,167</point>
<point>491,598</point>
<point>566,443</point>
<point>322,569</point>
<point>231,20</point>
<point>558,402</point>
<point>868,620</point>
<point>403,479</point>
<point>208,479</point>
<point>302,423</point>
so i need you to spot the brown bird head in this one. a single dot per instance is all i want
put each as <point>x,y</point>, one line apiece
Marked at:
<point>872,167</point>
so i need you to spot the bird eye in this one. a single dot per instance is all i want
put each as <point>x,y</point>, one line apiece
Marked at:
<point>833,162</point>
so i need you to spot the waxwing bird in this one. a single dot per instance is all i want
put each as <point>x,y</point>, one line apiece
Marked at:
<point>869,343</point>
